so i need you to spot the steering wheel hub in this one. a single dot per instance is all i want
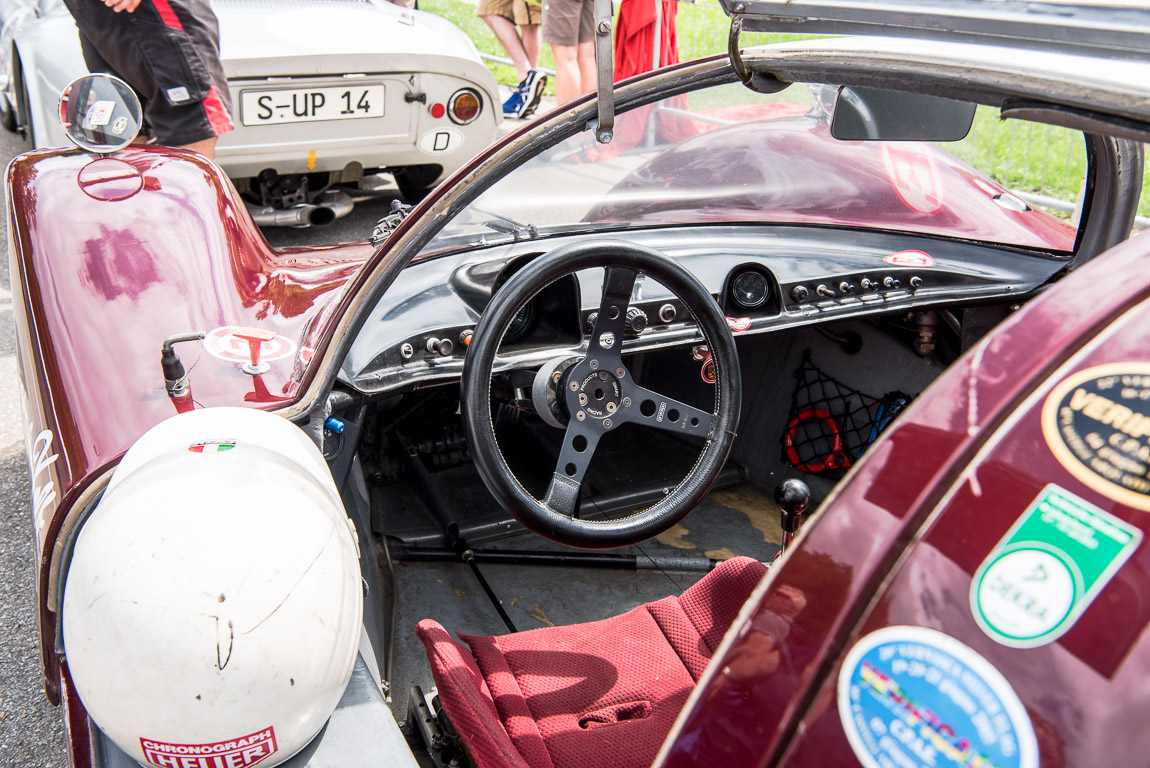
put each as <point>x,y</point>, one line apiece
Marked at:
<point>600,394</point>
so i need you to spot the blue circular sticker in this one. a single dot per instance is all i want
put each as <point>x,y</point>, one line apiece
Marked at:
<point>912,697</point>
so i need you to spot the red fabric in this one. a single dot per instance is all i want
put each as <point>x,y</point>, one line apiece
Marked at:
<point>604,693</point>
<point>167,15</point>
<point>217,113</point>
<point>467,700</point>
<point>635,33</point>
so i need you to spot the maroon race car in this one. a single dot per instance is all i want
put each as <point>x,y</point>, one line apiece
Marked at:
<point>774,291</point>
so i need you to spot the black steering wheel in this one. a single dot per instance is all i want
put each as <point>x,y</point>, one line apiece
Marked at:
<point>597,394</point>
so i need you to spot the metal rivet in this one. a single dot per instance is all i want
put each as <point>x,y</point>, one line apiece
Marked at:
<point>604,27</point>
<point>555,377</point>
<point>582,398</point>
<point>626,402</point>
<point>620,372</point>
<point>607,424</point>
<point>594,365</point>
<point>574,386</point>
<point>602,375</point>
<point>611,407</point>
<point>580,415</point>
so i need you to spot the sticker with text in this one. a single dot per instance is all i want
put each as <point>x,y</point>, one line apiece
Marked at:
<point>1048,569</point>
<point>909,259</point>
<point>739,323</point>
<point>1097,424</point>
<point>234,753</point>
<point>912,697</point>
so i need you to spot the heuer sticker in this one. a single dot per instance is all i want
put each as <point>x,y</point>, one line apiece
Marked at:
<point>1048,569</point>
<point>912,697</point>
<point>234,753</point>
<point>739,323</point>
<point>1097,424</point>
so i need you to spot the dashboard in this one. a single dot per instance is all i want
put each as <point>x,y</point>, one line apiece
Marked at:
<point>765,279</point>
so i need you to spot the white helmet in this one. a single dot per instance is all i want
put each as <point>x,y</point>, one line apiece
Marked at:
<point>213,603</point>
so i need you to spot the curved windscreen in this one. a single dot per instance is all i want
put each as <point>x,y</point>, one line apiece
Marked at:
<point>726,154</point>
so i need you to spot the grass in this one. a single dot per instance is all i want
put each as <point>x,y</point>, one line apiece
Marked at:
<point>1040,159</point>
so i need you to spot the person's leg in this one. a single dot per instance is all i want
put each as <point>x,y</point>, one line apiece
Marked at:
<point>508,37</point>
<point>588,74</point>
<point>568,79</point>
<point>532,36</point>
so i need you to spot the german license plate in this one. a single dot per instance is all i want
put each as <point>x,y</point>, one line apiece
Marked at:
<point>305,105</point>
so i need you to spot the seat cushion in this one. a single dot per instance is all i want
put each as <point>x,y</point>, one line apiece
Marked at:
<point>603,693</point>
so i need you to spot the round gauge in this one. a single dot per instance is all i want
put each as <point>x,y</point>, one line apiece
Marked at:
<point>522,323</point>
<point>749,289</point>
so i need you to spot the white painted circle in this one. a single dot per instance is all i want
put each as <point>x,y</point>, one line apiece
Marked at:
<point>224,344</point>
<point>441,141</point>
<point>1025,593</point>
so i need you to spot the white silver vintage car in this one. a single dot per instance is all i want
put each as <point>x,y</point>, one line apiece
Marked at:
<point>322,92</point>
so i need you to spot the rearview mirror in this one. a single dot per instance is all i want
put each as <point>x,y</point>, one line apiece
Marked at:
<point>100,113</point>
<point>871,114</point>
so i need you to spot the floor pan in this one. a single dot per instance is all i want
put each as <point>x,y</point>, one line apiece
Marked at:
<point>733,521</point>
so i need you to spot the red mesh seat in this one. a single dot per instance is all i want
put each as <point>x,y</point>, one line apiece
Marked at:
<point>604,693</point>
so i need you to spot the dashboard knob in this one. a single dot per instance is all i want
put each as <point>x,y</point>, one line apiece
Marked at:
<point>916,282</point>
<point>668,313</point>
<point>441,347</point>
<point>890,282</point>
<point>846,288</point>
<point>868,284</point>
<point>800,293</point>
<point>822,290</point>
<point>636,321</point>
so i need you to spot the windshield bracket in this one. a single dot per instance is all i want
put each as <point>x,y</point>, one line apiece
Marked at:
<point>605,67</point>
<point>760,82</point>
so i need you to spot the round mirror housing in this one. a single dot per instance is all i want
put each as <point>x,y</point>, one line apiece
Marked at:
<point>100,113</point>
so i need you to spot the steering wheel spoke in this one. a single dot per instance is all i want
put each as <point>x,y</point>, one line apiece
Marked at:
<point>579,445</point>
<point>606,340</point>
<point>661,412</point>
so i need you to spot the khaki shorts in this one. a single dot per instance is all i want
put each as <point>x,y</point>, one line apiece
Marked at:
<point>522,12</point>
<point>568,22</point>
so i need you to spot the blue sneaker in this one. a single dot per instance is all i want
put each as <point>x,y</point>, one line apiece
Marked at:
<point>513,107</point>
<point>532,87</point>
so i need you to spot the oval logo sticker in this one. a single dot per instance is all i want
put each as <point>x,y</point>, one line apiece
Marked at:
<point>441,141</point>
<point>913,697</point>
<point>1097,424</point>
<point>909,259</point>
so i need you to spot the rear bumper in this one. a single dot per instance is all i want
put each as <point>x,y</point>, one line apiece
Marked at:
<point>406,134</point>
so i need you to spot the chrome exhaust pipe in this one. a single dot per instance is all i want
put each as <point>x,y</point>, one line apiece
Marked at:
<point>331,205</point>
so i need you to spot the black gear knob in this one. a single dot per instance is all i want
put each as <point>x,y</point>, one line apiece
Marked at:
<point>793,497</point>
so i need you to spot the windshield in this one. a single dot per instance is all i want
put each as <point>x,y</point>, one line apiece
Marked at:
<point>726,154</point>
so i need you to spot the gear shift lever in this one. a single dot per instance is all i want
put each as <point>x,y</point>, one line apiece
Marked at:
<point>793,497</point>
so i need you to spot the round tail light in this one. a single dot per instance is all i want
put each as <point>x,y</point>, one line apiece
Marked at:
<point>464,106</point>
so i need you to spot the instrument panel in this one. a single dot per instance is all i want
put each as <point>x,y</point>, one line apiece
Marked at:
<point>765,278</point>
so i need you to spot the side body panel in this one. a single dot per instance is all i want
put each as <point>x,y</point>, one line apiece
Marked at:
<point>96,290</point>
<point>901,539</point>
